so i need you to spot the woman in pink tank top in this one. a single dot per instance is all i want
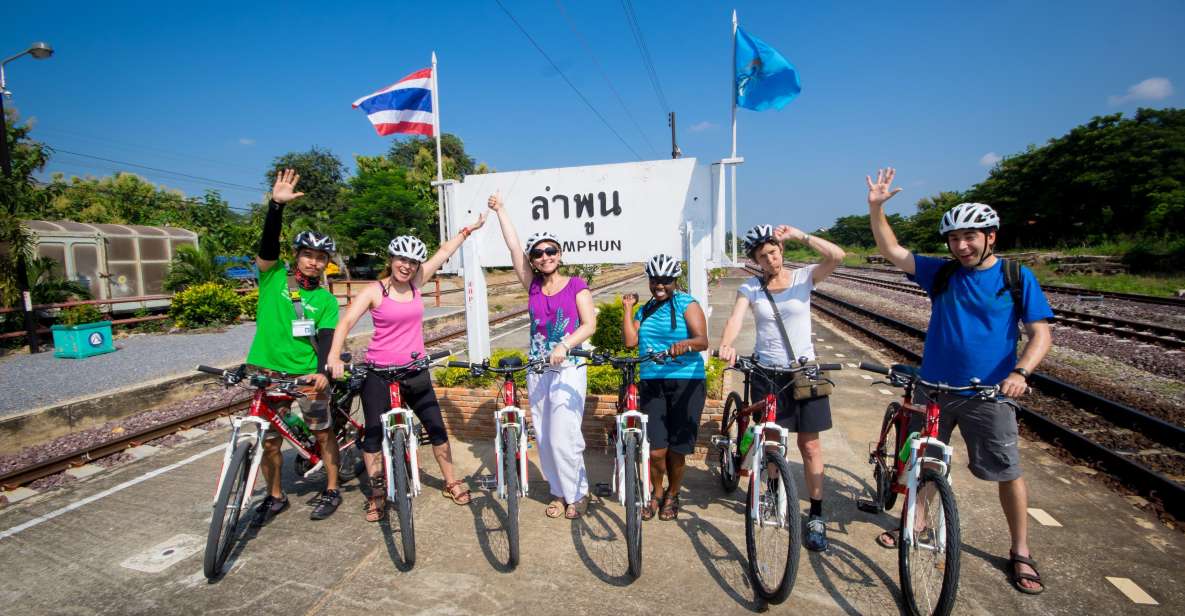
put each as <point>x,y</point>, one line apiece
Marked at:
<point>398,313</point>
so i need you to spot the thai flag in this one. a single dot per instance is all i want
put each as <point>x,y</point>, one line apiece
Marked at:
<point>405,107</point>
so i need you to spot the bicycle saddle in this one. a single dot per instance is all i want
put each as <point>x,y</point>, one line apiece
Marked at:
<point>510,362</point>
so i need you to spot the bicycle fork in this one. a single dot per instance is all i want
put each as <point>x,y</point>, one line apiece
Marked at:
<point>913,476</point>
<point>397,423</point>
<point>631,422</point>
<point>508,416</point>
<point>261,427</point>
<point>757,475</point>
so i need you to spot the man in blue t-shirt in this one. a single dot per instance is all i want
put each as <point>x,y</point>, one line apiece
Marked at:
<point>973,334</point>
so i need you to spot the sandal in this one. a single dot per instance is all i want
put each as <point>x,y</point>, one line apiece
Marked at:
<point>1013,560</point>
<point>576,509</point>
<point>376,503</point>
<point>651,508</point>
<point>670,509</point>
<point>555,508</point>
<point>889,539</point>
<point>461,498</point>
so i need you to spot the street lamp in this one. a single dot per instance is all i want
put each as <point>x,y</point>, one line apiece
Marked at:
<point>39,51</point>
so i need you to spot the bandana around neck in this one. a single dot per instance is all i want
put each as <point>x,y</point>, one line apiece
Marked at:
<point>306,283</point>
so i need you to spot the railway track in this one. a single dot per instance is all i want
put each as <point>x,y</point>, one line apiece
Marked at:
<point>1150,471</point>
<point>23,476</point>
<point>1168,337</point>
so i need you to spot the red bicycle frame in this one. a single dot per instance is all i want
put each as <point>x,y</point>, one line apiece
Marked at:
<point>929,430</point>
<point>261,406</point>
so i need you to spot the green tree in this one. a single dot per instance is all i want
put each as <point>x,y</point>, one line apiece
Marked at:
<point>404,153</point>
<point>48,286</point>
<point>192,266</point>
<point>18,193</point>
<point>322,180</point>
<point>382,204</point>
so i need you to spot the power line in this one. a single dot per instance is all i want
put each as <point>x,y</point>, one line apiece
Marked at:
<point>608,82</point>
<point>142,200</point>
<point>636,29</point>
<point>133,146</point>
<point>229,185</point>
<point>567,81</point>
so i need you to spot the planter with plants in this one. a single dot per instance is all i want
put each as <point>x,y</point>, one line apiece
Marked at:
<point>82,332</point>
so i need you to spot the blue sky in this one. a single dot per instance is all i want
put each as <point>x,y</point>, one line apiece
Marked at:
<point>218,89</point>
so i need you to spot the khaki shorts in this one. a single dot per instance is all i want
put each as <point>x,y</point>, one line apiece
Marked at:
<point>987,426</point>
<point>313,407</point>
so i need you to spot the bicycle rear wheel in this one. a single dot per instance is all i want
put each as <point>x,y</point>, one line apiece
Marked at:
<point>885,470</point>
<point>773,530</point>
<point>729,430</point>
<point>402,474</point>
<point>928,562</point>
<point>633,505</point>
<point>227,508</point>
<point>348,437</point>
<point>510,477</point>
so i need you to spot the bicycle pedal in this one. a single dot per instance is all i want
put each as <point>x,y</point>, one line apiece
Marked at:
<point>868,506</point>
<point>486,482</point>
<point>604,489</point>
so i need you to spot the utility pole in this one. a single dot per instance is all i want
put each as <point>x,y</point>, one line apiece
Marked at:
<point>675,152</point>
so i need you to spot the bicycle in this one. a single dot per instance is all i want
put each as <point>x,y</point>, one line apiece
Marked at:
<point>913,471</point>
<point>631,463</point>
<point>241,460</point>
<point>751,439</point>
<point>401,441</point>
<point>510,440</point>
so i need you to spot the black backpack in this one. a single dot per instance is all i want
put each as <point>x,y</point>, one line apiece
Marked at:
<point>1012,280</point>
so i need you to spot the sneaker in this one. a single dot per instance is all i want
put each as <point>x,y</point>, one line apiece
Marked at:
<point>326,504</point>
<point>816,534</point>
<point>268,509</point>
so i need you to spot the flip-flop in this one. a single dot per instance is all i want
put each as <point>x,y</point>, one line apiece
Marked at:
<point>1016,577</point>
<point>555,508</point>
<point>576,509</point>
<point>889,539</point>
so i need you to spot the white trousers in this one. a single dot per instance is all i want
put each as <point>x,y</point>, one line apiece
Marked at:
<point>557,408</point>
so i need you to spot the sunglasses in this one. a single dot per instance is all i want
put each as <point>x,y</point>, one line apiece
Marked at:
<point>663,280</point>
<point>539,252</point>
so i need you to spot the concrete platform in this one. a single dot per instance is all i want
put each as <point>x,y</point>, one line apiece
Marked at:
<point>103,542</point>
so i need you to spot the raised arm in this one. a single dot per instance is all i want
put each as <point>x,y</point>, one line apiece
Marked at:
<point>832,255</point>
<point>517,257</point>
<point>733,327</point>
<point>360,304</point>
<point>446,250</point>
<point>283,191</point>
<point>878,193</point>
<point>629,327</point>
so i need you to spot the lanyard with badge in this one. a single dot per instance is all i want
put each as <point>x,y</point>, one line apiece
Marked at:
<point>302,327</point>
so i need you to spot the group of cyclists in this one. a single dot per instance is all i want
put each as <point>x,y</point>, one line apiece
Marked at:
<point>972,334</point>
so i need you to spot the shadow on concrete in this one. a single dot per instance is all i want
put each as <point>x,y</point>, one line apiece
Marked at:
<point>996,562</point>
<point>599,538</point>
<point>489,522</point>
<point>843,566</point>
<point>385,527</point>
<point>722,560</point>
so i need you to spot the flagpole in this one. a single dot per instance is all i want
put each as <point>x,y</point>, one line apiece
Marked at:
<point>439,159</point>
<point>733,87</point>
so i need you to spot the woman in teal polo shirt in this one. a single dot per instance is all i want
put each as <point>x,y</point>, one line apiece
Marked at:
<point>672,393</point>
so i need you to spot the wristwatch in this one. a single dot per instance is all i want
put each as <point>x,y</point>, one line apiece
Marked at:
<point>1022,372</point>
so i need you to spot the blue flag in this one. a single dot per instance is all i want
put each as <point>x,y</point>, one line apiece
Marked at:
<point>764,79</point>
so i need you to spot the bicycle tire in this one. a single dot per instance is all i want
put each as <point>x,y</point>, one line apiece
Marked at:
<point>349,457</point>
<point>407,530</point>
<point>773,580</point>
<point>729,481</point>
<point>633,506</point>
<point>510,474</point>
<point>884,473</point>
<point>227,508</point>
<point>911,564</point>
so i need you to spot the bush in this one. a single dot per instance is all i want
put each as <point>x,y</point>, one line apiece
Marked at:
<point>248,302</point>
<point>604,380</point>
<point>208,303</point>
<point>608,337</point>
<point>1161,258</point>
<point>148,326</point>
<point>588,271</point>
<point>460,377</point>
<point>80,315</point>
<point>714,370</point>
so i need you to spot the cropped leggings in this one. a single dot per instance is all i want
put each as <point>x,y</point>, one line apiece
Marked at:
<point>418,396</point>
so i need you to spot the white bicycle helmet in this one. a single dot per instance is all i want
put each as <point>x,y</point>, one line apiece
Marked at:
<point>660,266</point>
<point>408,247</point>
<point>314,241</point>
<point>541,236</point>
<point>757,236</point>
<point>969,216</point>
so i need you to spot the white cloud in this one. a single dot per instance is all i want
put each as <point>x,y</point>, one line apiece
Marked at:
<point>246,141</point>
<point>990,159</point>
<point>700,127</point>
<point>1151,89</point>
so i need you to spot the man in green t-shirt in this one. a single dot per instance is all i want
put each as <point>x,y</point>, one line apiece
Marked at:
<point>295,344</point>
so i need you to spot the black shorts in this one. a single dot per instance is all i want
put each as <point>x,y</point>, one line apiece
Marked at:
<point>673,408</point>
<point>418,395</point>
<point>811,415</point>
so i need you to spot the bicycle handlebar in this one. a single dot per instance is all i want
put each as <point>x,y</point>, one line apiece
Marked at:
<point>746,363</point>
<point>485,366</point>
<point>901,375</point>
<point>257,379</point>
<point>598,359</point>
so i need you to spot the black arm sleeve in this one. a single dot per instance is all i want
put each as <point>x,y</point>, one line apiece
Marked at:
<point>269,242</point>
<point>324,341</point>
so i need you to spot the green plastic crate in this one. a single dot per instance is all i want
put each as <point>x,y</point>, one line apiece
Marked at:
<point>79,341</point>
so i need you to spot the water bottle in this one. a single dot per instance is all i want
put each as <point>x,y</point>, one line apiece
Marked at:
<point>746,442</point>
<point>298,427</point>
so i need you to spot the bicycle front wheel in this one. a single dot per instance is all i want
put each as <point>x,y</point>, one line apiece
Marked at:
<point>227,508</point>
<point>633,505</point>
<point>773,530</point>
<point>928,561</point>
<point>510,477</point>
<point>402,474</point>
<point>730,434</point>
